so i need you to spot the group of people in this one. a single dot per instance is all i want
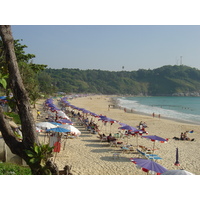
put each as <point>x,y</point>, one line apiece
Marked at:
<point>185,137</point>
<point>142,125</point>
<point>89,125</point>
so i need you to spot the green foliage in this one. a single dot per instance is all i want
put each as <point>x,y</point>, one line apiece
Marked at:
<point>15,117</point>
<point>20,53</point>
<point>165,80</point>
<point>28,70</point>
<point>13,169</point>
<point>38,157</point>
<point>3,81</point>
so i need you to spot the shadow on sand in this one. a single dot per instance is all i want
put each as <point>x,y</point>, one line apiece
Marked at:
<point>91,141</point>
<point>100,150</point>
<point>112,159</point>
<point>94,145</point>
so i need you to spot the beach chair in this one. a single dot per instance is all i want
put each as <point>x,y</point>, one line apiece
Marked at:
<point>113,143</point>
<point>127,149</point>
<point>149,156</point>
<point>117,135</point>
<point>104,139</point>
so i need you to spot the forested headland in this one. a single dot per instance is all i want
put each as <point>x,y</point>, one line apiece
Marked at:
<point>166,80</point>
<point>40,80</point>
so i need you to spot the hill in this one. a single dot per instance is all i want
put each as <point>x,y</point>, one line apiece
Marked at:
<point>166,80</point>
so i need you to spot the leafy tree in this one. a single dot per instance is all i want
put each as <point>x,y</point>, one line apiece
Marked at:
<point>28,70</point>
<point>165,80</point>
<point>20,95</point>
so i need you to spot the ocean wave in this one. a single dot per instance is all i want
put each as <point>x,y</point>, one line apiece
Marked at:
<point>164,112</point>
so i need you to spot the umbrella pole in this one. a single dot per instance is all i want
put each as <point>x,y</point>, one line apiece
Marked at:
<point>64,144</point>
<point>153,146</point>
<point>55,156</point>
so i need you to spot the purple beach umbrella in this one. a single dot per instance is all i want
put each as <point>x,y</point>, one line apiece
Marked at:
<point>154,138</point>
<point>177,172</point>
<point>129,128</point>
<point>149,165</point>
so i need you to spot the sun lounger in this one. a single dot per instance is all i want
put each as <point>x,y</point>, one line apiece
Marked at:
<point>104,139</point>
<point>127,149</point>
<point>149,156</point>
<point>147,150</point>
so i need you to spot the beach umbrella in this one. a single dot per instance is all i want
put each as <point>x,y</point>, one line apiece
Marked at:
<point>58,130</point>
<point>122,124</point>
<point>55,123</point>
<point>61,114</point>
<point>155,138</point>
<point>45,125</point>
<point>132,130</point>
<point>107,119</point>
<point>148,165</point>
<point>64,121</point>
<point>177,172</point>
<point>94,114</point>
<point>177,162</point>
<point>129,128</point>
<point>137,134</point>
<point>71,129</point>
<point>38,130</point>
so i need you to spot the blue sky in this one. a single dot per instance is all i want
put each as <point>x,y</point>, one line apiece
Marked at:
<point>109,47</point>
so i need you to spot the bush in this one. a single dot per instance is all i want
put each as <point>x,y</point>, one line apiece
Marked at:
<point>13,169</point>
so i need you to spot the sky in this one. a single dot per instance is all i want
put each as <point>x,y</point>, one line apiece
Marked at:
<point>111,47</point>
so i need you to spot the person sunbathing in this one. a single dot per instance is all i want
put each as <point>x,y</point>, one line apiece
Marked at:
<point>185,136</point>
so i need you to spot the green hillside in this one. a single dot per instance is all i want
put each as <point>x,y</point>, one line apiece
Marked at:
<point>166,80</point>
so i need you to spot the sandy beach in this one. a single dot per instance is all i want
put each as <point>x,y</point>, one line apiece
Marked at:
<point>88,156</point>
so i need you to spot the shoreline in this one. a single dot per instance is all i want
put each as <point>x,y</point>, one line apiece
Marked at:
<point>117,106</point>
<point>166,128</point>
<point>89,156</point>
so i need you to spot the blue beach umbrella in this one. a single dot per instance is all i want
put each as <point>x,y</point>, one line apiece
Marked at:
<point>55,123</point>
<point>58,130</point>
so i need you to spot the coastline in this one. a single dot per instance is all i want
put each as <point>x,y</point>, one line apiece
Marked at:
<point>165,128</point>
<point>88,156</point>
<point>117,106</point>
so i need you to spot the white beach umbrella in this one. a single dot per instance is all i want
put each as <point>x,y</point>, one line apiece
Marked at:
<point>38,130</point>
<point>45,125</point>
<point>61,114</point>
<point>177,172</point>
<point>72,129</point>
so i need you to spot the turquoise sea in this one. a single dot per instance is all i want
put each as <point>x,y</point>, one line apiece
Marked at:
<point>186,109</point>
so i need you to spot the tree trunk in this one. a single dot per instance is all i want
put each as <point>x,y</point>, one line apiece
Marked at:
<point>22,101</point>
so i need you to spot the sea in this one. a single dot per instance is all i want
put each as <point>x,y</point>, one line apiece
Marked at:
<point>185,109</point>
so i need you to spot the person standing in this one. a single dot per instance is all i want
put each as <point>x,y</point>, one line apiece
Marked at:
<point>38,114</point>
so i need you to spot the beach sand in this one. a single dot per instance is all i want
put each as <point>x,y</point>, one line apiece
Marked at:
<point>88,156</point>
